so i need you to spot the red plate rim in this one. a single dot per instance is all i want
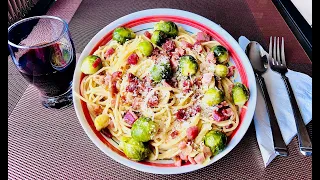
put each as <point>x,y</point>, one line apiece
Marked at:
<point>177,19</point>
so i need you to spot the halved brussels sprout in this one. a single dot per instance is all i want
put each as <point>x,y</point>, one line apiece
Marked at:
<point>240,94</point>
<point>221,70</point>
<point>213,97</point>
<point>134,149</point>
<point>160,71</point>
<point>188,65</point>
<point>145,47</point>
<point>221,54</point>
<point>216,140</point>
<point>101,121</point>
<point>168,27</point>
<point>158,37</point>
<point>91,64</point>
<point>123,34</point>
<point>143,129</point>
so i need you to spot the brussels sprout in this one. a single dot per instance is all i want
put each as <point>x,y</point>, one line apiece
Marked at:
<point>213,97</point>
<point>158,37</point>
<point>143,129</point>
<point>221,70</point>
<point>188,65</point>
<point>168,27</point>
<point>145,47</point>
<point>220,53</point>
<point>160,71</point>
<point>216,141</point>
<point>133,149</point>
<point>122,34</point>
<point>91,64</point>
<point>240,94</point>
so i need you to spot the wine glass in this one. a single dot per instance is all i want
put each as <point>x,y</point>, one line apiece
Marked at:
<point>42,50</point>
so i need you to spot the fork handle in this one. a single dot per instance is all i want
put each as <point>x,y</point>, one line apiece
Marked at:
<point>278,142</point>
<point>305,144</point>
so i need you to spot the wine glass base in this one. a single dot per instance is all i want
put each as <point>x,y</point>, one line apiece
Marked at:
<point>58,102</point>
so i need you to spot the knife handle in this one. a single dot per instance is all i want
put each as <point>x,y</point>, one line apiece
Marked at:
<point>278,142</point>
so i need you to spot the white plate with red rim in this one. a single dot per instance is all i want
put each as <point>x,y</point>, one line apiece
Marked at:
<point>144,20</point>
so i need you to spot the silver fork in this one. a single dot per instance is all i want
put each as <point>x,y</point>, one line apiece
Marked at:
<point>278,64</point>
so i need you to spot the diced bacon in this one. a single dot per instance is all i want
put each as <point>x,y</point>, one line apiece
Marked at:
<point>174,134</point>
<point>183,156</point>
<point>203,37</point>
<point>231,71</point>
<point>169,45</point>
<point>153,100</point>
<point>130,117</point>
<point>187,83</point>
<point>114,78</point>
<point>147,34</point>
<point>227,112</point>
<point>207,151</point>
<point>136,103</point>
<point>146,83</point>
<point>207,77</point>
<point>197,47</point>
<point>223,112</point>
<point>106,132</point>
<point>165,84</point>
<point>180,51</point>
<point>187,150</point>
<point>198,81</point>
<point>210,58</point>
<point>177,161</point>
<point>109,52</point>
<point>113,102</point>
<point>107,79</point>
<point>133,84</point>
<point>228,126</point>
<point>116,75</point>
<point>186,86</point>
<point>181,114</point>
<point>222,104</point>
<point>198,108</point>
<point>111,124</point>
<point>133,59</point>
<point>100,79</point>
<point>97,109</point>
<point>96,62</point>
<point>155,52</point>
<point>218,116</point>
<point>200,158</point>
<point>185,44</point>
<point>173,82</point>
<point>182,145</point>
<point>191,160</point>
<point>192,132</point>
<point>195,110</point>
<point>174,63</point>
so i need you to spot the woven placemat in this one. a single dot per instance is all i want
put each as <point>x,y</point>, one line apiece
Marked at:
<point>51,144</point>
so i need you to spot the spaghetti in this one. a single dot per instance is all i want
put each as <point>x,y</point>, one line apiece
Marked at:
<point>174,104</point>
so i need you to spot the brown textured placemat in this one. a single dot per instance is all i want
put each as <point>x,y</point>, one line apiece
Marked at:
<point>50,144</point>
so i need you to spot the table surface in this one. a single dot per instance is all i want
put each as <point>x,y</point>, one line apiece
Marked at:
<point>45,143</point>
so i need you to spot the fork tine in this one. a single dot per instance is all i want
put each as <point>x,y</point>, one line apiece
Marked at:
<point>275,51</point>
<point>278,50</point>
<point>282,52</point>
<point>270,51</point>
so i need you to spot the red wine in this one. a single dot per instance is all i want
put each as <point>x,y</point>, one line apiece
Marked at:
<point>49,68</point>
